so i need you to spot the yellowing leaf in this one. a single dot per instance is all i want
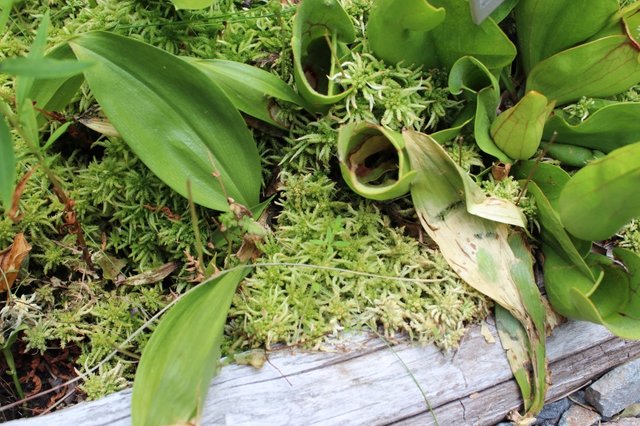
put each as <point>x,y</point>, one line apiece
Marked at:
<point>482,253</point>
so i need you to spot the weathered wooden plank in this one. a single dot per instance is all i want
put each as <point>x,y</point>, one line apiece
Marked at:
<point>364,382</point>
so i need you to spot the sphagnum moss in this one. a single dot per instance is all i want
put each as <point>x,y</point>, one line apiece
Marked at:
<point>299,305</point>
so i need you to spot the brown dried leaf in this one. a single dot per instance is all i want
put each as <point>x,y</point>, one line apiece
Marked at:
<point>11,260</point>
<point>14,213</point>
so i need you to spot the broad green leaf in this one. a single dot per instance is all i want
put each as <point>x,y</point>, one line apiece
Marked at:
<point>600,68</point>
<point>518,130</point>
<point>7,165</point>
<point>55,94</point>
<point>600,198</point>
<point>397,30</point>
<point>549,178</point>
<point>250,89</point>
<point>183,355</point>
<point>177,121</point>
<point>609,128</point>
<point>443,45</point>
<point>546,27</point>
<point>24,83</point>
<point>320,30</point>
<point>612,299</point>
<point>488,100</point>
<point>471,77</point>
<point>44,68</point>
<point>192,4</point>
<point>373,161</point>
<point>553,232</point>
<point>5,10</point>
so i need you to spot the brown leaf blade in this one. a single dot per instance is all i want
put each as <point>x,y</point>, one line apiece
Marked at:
<point>11,260</point>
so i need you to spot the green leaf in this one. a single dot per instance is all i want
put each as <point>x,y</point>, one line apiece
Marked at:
<point>5,11</point>
<point>55,94</point>
<point>571,155</point>
<point>320,30</point>
<point>182,355</point>
<point>192,4</point>
<point>504,10</point>
<point>613,299</point>
<point>514,340</point>
<point>525,349</point>
<point>7,165</point>
<point>405,23</point>
<point>518,130</point>
<point>174,118</point>
<point>471,77</point>
<point>442,45</point>
<point>609,128</point>
<point>535,342</point>
<point>45,68</point>
<point>600,198</point>
<point>24,83</point>
<point>546,27</point>
<point>600,68</point>
<point>250,89</point>
<point>549,178</point>
<point>373,161</point>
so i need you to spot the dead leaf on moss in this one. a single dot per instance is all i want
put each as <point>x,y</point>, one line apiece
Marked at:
<point>11,260</point>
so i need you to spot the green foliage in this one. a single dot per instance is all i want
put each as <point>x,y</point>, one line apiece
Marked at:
<point>214,155</point>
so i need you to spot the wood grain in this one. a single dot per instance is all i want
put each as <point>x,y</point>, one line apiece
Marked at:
<point>364,382</point>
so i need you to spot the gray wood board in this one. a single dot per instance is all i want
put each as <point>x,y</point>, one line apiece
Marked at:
<point>363,382</point>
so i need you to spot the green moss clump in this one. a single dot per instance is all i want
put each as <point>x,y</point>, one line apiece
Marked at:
<point>631,236</point>
<point>297,304</point>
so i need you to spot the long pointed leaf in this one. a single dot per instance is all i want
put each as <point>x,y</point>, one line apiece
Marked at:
<point>7,165</point>
<point>180,124</point>
<point>250,89</point>
<point>24,83</point>
<point>182,355</point>
<point>45,68</point>
<point>54,94</point>
<point>598,200</point>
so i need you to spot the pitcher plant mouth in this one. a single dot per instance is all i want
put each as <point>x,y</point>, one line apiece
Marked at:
<point>373,161</point>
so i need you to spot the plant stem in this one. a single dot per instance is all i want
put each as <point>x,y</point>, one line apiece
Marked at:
<point>8,356</point>
<point>333,46</point>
